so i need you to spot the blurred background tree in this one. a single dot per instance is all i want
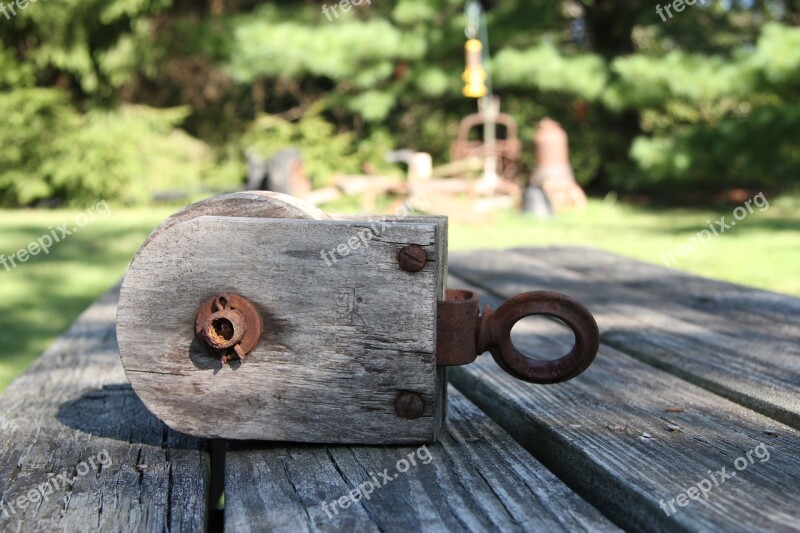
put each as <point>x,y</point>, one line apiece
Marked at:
<point>127,98</point>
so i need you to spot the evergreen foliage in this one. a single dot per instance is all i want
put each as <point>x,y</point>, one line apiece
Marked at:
<point>125,98</point>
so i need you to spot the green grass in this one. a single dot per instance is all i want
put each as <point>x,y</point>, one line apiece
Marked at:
<point>763,250</point>
<point>40,299</point>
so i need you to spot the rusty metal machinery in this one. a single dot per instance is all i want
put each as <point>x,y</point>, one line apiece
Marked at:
<point>507,150</point>
<point>255,316</point>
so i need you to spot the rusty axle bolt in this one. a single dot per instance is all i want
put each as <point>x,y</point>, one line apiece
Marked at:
<point>224,329</point>
<point>409,405</point>
<point>412,258</point>
<point>229,325</point>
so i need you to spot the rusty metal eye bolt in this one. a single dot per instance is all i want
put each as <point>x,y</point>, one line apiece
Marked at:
<point>463,334</point>
<point>229,325</point>
<point>495,335</point>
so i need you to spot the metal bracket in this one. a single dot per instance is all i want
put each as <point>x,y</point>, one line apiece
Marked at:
<point>463,334</point>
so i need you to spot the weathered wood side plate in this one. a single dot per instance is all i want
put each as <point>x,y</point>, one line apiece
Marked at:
<point>340,340</point>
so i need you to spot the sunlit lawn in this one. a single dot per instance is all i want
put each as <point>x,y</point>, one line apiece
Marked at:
<point>42,297</point>
<point>763,250</point>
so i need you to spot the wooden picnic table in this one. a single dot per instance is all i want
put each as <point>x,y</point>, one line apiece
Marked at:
<point>693,376</point>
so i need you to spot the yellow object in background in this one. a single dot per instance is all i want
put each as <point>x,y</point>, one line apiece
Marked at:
<point>475,75</point>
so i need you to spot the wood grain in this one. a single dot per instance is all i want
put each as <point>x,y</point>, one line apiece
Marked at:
<point>341,340</point>
<point>754,367</point>
<point>610,436</point>
<point>442,242</point>
<point>477,479</point>
<point>72,405</point>
<point>248,204</point>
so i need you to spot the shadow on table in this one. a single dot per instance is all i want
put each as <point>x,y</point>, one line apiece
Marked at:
<point>115,412</point>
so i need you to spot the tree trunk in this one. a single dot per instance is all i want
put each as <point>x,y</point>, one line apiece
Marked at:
<point>610,26</point>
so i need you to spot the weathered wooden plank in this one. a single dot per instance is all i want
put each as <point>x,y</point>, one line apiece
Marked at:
<point>611,434</point>
<point>759,369</point>
<point>475,479</point>
<point>755,309</point>
<point>343,337</point>
<point>72,414</point>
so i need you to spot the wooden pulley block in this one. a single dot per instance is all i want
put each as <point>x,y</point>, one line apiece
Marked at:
<point>254,316</point>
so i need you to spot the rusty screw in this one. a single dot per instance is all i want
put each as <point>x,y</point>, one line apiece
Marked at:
<point>229,325</point>
<point>409,405</point>
<point>412,258</point>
